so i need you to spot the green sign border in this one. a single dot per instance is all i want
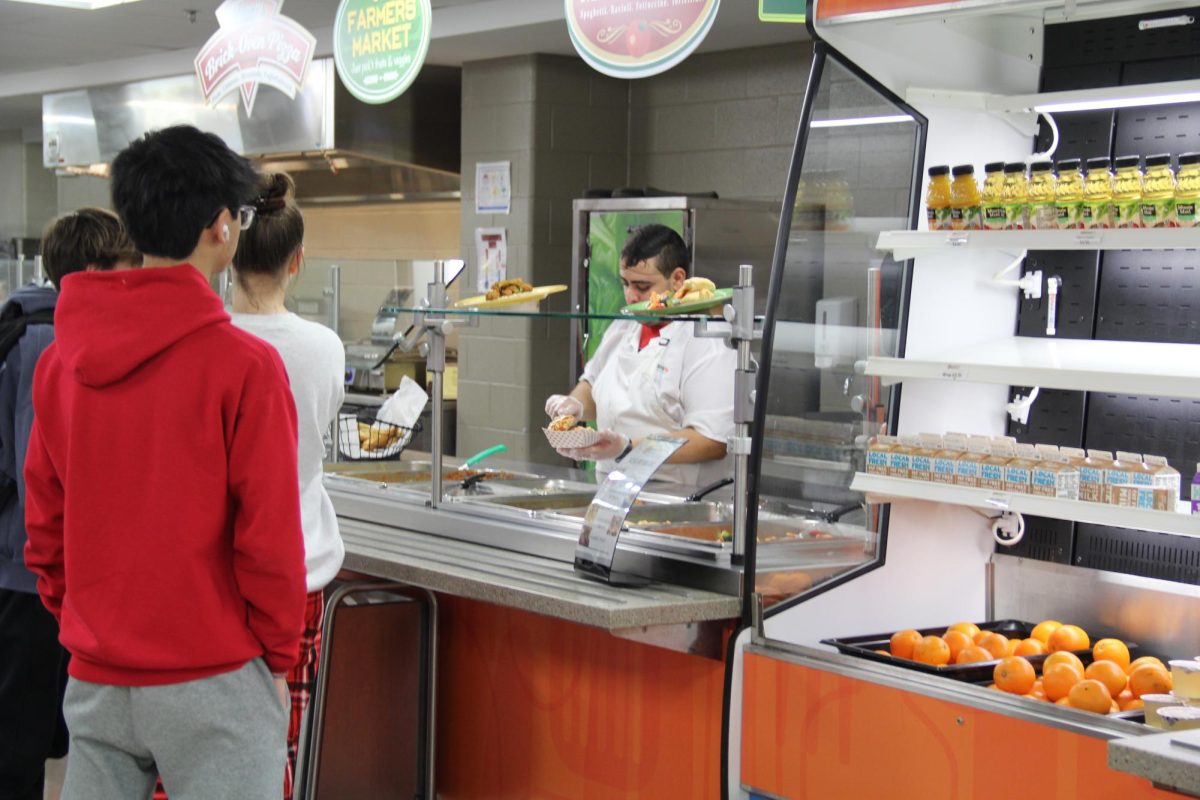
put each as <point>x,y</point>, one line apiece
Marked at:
<point>764,15</point>
<point>644,69</point>
<point>390,93</point>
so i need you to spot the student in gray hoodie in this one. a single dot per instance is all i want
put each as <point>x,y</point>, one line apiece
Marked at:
<point>33,665</point>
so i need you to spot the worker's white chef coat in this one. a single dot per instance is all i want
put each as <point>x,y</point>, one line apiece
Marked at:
<point>677,381</point>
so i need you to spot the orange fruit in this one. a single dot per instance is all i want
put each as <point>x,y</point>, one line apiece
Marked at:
<point>994,643</point>
<point>1063,657</point>
<point>968,628</point>
<point>932,650</point>
<point>1068,637</point>
<point>1037,692</point>
<point>1014,675</point>
<point>1126,700</point>
<point>1112,650</point>
<point>1030,647</point>
<point>1063,701</point>
<point>1058,680</point>
<point>972,654</point>
<point>1114,708</point>
<point>1149,679</point>
<point>1138,662</point>
<point>883,652</point>
<point>1043,629</point>
<point>1012,646</point>
<point>957,640</point>
<point>1109,673</point>
<point>903,642</point>
<point>1090,695</point>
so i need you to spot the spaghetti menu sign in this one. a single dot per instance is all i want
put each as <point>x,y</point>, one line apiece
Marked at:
<point>379,46</point>
<point>638,38</point>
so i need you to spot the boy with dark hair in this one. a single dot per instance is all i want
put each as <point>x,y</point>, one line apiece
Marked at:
<point>33,665</point>
<point>162,500</point>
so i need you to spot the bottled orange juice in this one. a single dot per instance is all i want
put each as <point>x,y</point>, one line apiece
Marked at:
<point>1098,194</point>
<point>1187,191</point>
<point>1016,196</point>
<point>1042,185</point>
<point>964,199</point>
<point>1158,195</point>
<point>1127,192</point>
<point>993,196</point>
<point>1068,195</point>
<point>937,199</point>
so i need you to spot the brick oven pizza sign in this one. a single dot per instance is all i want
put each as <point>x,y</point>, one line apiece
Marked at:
<point>638,38</point>
<point>255,45</point>
<point>379,46</point>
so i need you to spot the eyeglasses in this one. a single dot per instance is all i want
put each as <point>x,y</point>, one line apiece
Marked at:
<point>245,215</point>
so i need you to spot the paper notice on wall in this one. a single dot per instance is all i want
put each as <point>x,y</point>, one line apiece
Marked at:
<point>491,256</point>
<point>493,187</point>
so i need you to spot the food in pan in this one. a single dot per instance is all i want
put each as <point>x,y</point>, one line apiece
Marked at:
<point>507,287</point>
<point>563,423</point>
<point>377,435</point>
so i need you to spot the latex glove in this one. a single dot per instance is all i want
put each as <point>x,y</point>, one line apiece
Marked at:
<point>608,446</point>
<point>559,404</point>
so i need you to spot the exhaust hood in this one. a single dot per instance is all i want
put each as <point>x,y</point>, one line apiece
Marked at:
<point>336,148</point>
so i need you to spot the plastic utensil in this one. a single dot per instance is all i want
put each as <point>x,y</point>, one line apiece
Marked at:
<point>482,454</point>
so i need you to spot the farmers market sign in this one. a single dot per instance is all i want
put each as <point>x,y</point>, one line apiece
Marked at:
<point>255,45</point>
<point>380,45</point>
<point>638,38</point>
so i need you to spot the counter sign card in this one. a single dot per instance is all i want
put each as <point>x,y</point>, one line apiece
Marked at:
<point>606,515</point>
<point>379,46</point>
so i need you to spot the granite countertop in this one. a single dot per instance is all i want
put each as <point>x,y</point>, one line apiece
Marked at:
<point>1171,760</point>
<point>518,580</point>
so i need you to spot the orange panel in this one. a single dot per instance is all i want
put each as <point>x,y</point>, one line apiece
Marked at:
<point>813,734</point>
<point>522,698</point>
<point>827,9</point>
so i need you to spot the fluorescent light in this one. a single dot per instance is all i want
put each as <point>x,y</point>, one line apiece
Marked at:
<point>81,5</point>
<point>853,121</point>
<point>1118,102</point>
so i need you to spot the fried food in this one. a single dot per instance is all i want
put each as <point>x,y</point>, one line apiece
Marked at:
<point>506,287</point>
<point>694,289</point>
<point>378,436</point>
<point>563,423</point>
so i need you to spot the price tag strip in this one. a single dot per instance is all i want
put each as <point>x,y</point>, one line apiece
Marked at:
<point>606,515</point>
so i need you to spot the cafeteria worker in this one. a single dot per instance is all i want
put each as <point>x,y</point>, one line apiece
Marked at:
<point>655,378</point>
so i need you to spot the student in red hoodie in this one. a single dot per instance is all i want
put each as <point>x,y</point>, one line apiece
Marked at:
<point>161,498</point>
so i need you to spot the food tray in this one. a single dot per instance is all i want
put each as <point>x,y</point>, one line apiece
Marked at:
<point>978,672</point>
<point>571,439</point>
<point>534,295</point>
<point>719,298</point>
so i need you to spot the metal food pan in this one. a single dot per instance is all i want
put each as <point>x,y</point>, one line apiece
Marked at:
<point>532,502</point>
<point>978,672</point>
<point>520,485</point>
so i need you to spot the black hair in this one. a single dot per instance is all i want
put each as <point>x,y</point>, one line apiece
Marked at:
<point>169,185</point>
<point>90,238</point>
<point>657,244</point>
<point>277,232</point>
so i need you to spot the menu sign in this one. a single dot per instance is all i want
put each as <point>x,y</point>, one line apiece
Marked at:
<point>828,9</point>
<point>379,46</point>
<point>255,45</point>
<point>638,38</point>
<point>606,515</point>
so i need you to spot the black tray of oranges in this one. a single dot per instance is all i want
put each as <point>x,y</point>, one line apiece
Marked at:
<point>879,647</point>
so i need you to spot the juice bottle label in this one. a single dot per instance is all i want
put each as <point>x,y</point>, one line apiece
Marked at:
<point>994,218</point>
<point>1097,214</point>
<point>1157,213</point>
<point>1016,216</point>
<point>967,218</point>
<point>1128,213</point>
<point>939,219</point>
<point>1069,215</point>
<point>1043,216</point>
<point>1183,214</point>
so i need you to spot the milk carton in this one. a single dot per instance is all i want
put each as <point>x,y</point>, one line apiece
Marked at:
<point>1126,470</point>
<point>945,461</point>
<point>1054,475</point>
<point>1164,476</point>
<point>1018,472</point>
<point>1092,473</point>
<point>900,457</point>
<point>991,469</point>
<point>877,454</point>
<point>921,461</point>
<point>969,466</point>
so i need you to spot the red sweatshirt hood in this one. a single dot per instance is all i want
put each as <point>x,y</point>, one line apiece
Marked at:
<point>110,323</point>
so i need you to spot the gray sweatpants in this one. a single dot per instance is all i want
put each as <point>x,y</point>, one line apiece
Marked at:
<point>218,737</point>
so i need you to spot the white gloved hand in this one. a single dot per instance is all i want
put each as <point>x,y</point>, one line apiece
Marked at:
<point>559,404</point>
<point>608,446</point>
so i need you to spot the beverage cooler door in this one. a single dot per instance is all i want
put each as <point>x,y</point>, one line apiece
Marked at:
<point>833,301</point>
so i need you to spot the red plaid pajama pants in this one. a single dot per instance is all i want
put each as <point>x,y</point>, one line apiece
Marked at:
<point>302,680</point>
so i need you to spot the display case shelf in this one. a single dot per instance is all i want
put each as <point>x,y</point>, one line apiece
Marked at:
<point>1140,368</point>
<point>883,489</point>
<point>906,244</point>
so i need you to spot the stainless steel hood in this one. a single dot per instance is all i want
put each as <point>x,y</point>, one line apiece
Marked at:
<point>337,148</point>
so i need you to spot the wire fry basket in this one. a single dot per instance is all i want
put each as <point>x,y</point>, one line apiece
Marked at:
<point>362,437</point>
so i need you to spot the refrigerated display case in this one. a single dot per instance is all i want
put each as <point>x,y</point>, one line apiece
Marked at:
<point>1110,362</point>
